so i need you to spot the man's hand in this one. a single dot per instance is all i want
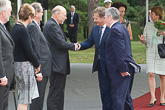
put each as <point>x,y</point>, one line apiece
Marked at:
<point>4,81</point>
<point>37,70</point>
<point>39,77</point>
<point>77,45</point>
<point>125,74</point>
<point>71,25</point>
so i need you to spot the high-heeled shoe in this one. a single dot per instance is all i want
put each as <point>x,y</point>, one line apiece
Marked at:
<point>162,104</point>
<point>152,104</point>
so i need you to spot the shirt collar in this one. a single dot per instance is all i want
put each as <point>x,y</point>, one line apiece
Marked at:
<point>104,26</point>
<point>36,22</point>
<point>113,23</point>
<point>55,20</point>
<point>1,22</point>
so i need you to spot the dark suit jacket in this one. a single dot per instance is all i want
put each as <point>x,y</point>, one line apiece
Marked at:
<point>118,51</point>
<point>75,20</point>
<point>42,48</point>
<point>6,55</point>
<point>58,46</point>
<point>99,49</point>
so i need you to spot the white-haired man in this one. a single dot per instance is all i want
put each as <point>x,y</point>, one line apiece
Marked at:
<point>72,24</point>
<point>60,57</point>
<point>6,55</point>
<point>119,62</point>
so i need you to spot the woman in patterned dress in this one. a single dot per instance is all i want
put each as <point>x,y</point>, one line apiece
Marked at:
<point>122,9</point>
<point>155,64</point>
<point>25,58</point>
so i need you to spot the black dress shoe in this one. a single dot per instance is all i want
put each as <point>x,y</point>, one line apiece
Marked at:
<point>152,104</point>
<point>162,104</point>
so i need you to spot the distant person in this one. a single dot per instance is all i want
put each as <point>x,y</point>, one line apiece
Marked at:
<point>27,65</point>
<point>149,17</point>
<point>44,54</point>
<point>6,55</point>
<point>120,65</point>
<point>122,9</point>
<point>60,57</point>
<point>72,24</point>
<point>97,38</point>
<point>155,64</point>
<point>107,3</point>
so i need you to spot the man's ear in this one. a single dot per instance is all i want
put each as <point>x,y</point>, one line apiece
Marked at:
<point>35,13</point>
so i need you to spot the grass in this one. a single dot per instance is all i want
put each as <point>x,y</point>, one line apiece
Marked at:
<point>87,56</point>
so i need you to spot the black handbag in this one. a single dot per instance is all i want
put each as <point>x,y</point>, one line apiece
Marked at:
<point>161,49</point>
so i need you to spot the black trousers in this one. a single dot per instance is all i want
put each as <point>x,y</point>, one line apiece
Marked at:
<point>37,104</point>
<point>55,99</point>
<point>4,94</point>
<point>72,35</point>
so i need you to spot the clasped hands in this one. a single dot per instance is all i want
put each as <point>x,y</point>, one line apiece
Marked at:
<point>71,25</point>
<point>77,46</point>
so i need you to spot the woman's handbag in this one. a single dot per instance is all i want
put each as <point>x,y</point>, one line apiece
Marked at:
<point>161,49</point>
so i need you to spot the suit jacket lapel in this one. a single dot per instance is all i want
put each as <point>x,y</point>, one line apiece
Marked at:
<point>7,34</point>
<point>104,36</point>
<point>60,29</point>
<point>36,25</point>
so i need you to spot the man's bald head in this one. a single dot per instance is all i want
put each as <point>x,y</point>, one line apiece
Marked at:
<point>59,14</point>
<point>58,9</point>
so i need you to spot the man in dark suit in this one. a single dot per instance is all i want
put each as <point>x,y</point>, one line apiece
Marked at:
<point>60,57</point>
<point>6,54</point>
<point>72,24</point>
<point>120,65</point>
<point>44,54</point>
<point>97,38</point>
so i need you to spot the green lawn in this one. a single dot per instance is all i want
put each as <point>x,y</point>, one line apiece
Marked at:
<point>87,56</point>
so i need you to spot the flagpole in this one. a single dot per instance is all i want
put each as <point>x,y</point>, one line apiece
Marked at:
<point>146,11</point>
<point>19,3</point>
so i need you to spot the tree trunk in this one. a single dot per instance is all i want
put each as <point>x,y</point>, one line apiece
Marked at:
<point>142,3</point>
<point>92,4</point>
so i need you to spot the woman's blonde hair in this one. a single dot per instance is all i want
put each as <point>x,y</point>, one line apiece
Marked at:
<point>25,11</point>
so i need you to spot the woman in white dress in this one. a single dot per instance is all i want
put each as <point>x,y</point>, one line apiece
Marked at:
<point>155,64</point>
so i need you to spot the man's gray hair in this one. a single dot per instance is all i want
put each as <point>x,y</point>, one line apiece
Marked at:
<point>114,12</point>
<point>37,6</point>
<point>72,6</point>
<point>100,11</point>
<point>4,5</point>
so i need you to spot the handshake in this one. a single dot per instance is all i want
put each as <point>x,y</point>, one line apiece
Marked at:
<point>77,46</point>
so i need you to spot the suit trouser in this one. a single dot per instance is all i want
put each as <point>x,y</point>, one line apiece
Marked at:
<point>72,35</point>
<point>37,104</point>
<point>120,92</point>
<point>105,92</point>
<point>55,99</point>
<point>4,94</point>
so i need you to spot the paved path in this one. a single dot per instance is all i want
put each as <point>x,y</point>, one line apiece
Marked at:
<point>82,91</point>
